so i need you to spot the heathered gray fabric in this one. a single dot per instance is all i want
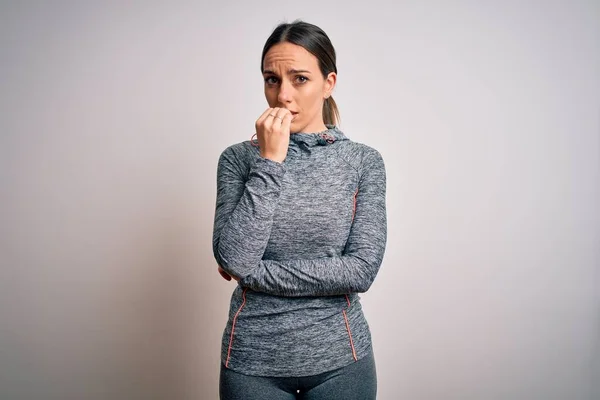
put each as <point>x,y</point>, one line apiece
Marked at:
<point>356,381</point>
<point>287,230</point>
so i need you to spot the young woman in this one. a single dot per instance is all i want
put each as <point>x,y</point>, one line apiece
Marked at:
<point>300,224</point>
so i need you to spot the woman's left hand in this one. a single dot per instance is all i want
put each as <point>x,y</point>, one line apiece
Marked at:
<point>226,276</point>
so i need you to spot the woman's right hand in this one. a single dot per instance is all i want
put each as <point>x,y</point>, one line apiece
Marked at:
<point>273,133</point>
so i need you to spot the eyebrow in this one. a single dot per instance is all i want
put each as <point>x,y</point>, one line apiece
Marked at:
<point>290,71</point>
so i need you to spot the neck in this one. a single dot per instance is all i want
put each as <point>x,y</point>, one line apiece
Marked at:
<point>313,129</point>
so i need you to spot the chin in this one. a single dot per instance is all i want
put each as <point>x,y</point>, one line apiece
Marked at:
<point>294,128</point>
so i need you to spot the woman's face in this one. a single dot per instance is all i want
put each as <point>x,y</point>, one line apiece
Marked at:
<point>294,81</point>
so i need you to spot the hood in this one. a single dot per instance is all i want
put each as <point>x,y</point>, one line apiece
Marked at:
<point>324,138</point>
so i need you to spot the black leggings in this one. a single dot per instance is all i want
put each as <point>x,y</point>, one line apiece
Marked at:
<point>352,382</point>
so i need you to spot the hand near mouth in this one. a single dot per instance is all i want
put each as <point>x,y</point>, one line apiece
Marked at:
<point>273,133</point>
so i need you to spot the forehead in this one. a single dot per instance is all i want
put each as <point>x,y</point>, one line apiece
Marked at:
<point>291,55</point>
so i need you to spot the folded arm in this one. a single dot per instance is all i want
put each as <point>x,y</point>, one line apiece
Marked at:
<point>244,211</point>
<point>355,269</point>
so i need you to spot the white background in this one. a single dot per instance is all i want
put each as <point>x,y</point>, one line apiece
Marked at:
<point>113,116</point>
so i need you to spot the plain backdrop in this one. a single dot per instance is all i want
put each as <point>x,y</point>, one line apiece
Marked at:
<point>112,118</point>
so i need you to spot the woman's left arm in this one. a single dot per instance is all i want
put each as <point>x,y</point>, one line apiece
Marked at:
<point>356,268</point>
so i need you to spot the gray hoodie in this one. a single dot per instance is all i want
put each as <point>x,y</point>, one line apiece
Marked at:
<point>305,237</point>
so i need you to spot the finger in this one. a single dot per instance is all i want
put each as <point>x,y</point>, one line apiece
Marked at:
<point>263,117</point>
<point>282,112</point>
<point>281,115</point>
<point>286,123</point>
<point>276,125</point>
<point>224,274</point>
<point>271,121</point>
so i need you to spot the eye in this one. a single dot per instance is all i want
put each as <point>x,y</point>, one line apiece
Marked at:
<point>270,80</point>
<point>302,78</point>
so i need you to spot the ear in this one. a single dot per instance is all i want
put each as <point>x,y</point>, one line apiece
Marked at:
<point>329,84</point>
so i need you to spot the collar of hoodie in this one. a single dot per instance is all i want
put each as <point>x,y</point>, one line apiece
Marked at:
<point>331,135</point>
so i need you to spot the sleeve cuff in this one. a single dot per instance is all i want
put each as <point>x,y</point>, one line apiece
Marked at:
<point>269,166</point>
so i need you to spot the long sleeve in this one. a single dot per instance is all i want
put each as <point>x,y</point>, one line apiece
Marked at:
<point>244,210</point>
<point>356,268</point>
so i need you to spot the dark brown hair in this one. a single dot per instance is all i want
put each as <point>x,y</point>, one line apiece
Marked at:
<point>316,42</point>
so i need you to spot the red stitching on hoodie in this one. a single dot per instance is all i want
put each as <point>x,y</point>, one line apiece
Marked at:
<point>233,326</point>
<point>354,209</point>
<point>348,329</point>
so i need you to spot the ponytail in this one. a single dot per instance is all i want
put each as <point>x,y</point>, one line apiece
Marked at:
<point>331,114</point>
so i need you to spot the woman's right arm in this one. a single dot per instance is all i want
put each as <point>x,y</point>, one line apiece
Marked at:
<point>245,204</point>
<point>244,209</point>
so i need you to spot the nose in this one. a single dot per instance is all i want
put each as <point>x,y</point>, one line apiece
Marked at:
<point>284,95</point>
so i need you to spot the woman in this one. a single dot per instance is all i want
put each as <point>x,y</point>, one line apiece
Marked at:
<point>300,223</point>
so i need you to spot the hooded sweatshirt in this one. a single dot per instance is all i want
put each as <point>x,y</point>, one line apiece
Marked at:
<point>304,236</point>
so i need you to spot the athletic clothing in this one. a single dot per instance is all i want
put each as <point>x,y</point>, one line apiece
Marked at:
<point>304,236</point>
<point>356,381</point>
